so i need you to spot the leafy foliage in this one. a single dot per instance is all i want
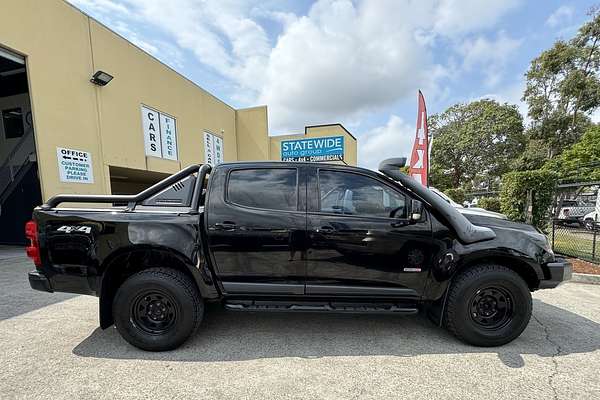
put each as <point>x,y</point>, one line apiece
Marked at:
<point>458,195</point>
<point>474,143</point>
<point>489,203</point>
<point>534,156</point>
<point>513,196</point>
<point>580,162</point>
<point>563,88</point>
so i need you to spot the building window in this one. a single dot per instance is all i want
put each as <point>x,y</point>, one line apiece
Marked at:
<point>273,189</point>
<point>12,120</point>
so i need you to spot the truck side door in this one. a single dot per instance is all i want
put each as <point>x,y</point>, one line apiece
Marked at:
<point>361,242</point>
<point>256,223</point>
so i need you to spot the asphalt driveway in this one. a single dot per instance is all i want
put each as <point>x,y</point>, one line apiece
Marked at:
<point>51,347</point>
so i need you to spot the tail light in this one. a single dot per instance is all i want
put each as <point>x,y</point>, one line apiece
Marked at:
<point>33,250</point>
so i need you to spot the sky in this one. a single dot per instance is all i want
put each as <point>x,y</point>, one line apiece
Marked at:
<point>358,63</point>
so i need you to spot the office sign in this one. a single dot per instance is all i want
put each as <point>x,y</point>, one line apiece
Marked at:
<point>160,134</point>
<point>213,149</point>
<point>74,165</point>
<point>330,148</point>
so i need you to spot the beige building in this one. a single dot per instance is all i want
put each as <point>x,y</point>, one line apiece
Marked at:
<point>66,128</point>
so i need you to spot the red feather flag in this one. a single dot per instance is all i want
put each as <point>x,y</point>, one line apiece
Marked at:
<point>419,159</point>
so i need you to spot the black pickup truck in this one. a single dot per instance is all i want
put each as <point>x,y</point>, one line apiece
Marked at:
<point>272,236</point>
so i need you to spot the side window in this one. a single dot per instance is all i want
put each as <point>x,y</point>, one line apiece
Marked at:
<point>274,189</point>
<point>353,194</point>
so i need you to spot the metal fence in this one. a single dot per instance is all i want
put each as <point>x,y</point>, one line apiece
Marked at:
<point>576,223</point>
<point>576,241</point>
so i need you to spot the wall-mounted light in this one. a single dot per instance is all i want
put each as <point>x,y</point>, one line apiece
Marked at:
<point>101,78</point>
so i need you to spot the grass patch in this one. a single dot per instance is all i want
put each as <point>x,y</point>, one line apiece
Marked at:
<point>579,244</point>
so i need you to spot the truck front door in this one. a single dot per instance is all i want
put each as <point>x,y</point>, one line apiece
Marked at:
<point>361,242</point>
<point>257,228</point>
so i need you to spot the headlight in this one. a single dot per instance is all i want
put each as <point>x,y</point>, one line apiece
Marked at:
<point>541,240</point>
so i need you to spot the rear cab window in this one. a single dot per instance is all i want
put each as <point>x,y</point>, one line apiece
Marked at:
<point>264,188</point>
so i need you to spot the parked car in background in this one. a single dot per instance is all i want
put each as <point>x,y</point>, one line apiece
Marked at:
<point>591,220</point>
<point>573,211</point>
<point>468,210</point>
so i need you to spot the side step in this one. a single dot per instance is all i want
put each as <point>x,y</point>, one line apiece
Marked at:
<point>333,307</point>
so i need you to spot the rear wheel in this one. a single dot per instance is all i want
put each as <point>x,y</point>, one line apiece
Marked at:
<point>488,305</point>
<point>157,309</point>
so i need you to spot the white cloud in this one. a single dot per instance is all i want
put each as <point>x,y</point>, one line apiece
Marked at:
<point>491,55</point>
<point>561,16</point>
<point>394,139</point>
<point>341,60</point>
<point>463,16</point>
<point>511,94</point>
<point>339,63</point>
<point>102,6</point>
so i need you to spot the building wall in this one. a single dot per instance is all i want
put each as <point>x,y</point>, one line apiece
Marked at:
<point>252,143</point>
<point>350,147</point>
<point>64,48</point>
<point>55,39</point>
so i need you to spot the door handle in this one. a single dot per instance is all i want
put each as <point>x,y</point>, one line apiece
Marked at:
<point>227,225</point>
<point>398,224</point>
<point>325,229</point>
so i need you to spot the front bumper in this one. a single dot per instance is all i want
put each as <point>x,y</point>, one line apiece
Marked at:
<point>560,271</point>
<point>38,281</point>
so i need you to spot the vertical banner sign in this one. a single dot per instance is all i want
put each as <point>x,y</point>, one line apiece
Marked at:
<point>168,137</point>
<point>419,159</point>
<point>160,134</point>
<point>213,149</point>
<point>151,125</point>
<point>74,165</point>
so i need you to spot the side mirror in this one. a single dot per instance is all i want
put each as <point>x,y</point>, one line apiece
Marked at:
<point>416,210</point>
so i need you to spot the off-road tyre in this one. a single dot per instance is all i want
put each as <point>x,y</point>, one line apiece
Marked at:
<point>471,298</point>
<point>157,309</point>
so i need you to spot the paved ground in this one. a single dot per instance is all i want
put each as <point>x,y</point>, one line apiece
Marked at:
<point>52,348</point>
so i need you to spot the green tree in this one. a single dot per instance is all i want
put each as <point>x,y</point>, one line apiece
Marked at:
<point>514,194</point>
<point>563,88</point>
<point>533,156</point>
<point>474,143</point>
<point>581,161</point>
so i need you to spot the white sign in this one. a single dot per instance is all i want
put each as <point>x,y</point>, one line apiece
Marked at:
<point>151,124</point>
<point>213,149</point>
<point>168,137</point>
<point>160,134</point>
<point>74,165</point>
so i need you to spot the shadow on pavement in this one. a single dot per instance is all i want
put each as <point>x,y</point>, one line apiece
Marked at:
<point>230,336</point>
<point>16,296</point>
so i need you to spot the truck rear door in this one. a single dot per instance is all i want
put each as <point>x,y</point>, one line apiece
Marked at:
<point>256,223</point>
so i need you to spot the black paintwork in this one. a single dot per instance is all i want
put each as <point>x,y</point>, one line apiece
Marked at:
<point>238,252</point>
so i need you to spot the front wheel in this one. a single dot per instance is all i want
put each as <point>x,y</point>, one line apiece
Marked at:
<point>157,309</point>
<point>488,305</point>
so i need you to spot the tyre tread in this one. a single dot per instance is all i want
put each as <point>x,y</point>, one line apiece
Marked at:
<point>450,317</point>
<point>183,282</point>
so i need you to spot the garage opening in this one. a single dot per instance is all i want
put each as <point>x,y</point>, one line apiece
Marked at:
<point>132,181</point>
<point>19,183</point>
